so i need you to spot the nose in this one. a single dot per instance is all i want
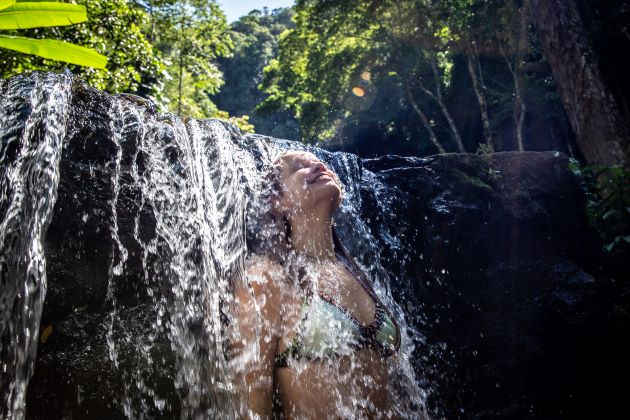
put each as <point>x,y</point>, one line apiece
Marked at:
<point>319,167</point>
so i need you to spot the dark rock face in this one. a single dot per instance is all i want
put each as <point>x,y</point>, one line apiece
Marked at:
<point>500,285</point>
<point>74,375</point>
<point>496,270</point>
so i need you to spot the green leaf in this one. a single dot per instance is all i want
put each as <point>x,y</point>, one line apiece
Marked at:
<point>609,213</point>
<point>54,50</point>
<point>41,14</point>
<point>6,3</point>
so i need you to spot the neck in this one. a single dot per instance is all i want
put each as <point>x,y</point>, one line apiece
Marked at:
<point>311,234</point>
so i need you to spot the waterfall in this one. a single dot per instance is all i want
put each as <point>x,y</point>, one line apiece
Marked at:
<point>33,115</point>
<point>148,219</point>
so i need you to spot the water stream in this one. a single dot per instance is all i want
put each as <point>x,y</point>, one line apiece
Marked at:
<point>173,208</point>
<point>33,130</point>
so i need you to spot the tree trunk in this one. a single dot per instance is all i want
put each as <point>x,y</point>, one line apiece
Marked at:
<point>602,134</point>
<point>471,60</point>
<point>179,87</point>
<point>519,105</point>
<point>519,113</point>
<point>423,118</point>
<point>445,111</point>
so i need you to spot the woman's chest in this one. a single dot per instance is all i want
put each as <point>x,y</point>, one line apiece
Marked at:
<point>336,284</point>
<point>328,316</point>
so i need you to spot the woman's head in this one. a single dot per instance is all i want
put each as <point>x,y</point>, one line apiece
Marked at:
<point>296,184</point>
<point>304,186</point>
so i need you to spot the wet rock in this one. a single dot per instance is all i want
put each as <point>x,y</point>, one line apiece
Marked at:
<point>501,279</point>
<point>75,376</point>
<point>112,344</point>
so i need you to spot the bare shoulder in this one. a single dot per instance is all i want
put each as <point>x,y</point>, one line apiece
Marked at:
<point>263,276</point>
<point>258,264</point>
<point>262,271</point>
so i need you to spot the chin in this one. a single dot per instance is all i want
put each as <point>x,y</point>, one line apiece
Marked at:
<point>330,193</point>
<point>336,197</point>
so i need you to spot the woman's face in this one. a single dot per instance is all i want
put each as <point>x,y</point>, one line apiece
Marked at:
<point>307,183</point>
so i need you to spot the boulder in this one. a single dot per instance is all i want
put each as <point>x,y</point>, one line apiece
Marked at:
<point>499,271</point>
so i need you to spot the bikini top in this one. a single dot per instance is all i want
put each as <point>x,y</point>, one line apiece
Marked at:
<point>326,329</point>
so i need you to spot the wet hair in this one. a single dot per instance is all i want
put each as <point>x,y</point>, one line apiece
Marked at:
<point>268,230</point>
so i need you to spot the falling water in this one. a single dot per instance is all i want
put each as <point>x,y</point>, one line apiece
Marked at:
<point>32,134</point>
<point>189,177</point>
<point>162,208</point>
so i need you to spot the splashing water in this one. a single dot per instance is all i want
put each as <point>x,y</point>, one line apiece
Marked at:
<point>162,208</point>
<point>32,134</point>
<point>408,397</point>
<point>189,177</point>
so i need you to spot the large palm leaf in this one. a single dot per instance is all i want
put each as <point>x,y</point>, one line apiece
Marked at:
<point>40,14</point>
<point>6,3</point>
<point>54,50</point>
<point>17,15</point>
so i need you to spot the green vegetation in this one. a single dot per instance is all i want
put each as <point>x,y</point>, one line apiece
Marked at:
<point>113,28</point>
<point>255,37</point>
<point>411,77</point>
<point>449,74</point>
<point>24,15</point>
<point>162,49</point>
<point>608,204</point>
<point>190,35</point>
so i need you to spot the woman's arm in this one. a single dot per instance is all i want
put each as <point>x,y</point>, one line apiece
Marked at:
<point>254,337</point>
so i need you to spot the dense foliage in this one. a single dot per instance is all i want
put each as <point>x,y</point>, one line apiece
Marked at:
<point>454,74</point>
<point>608,204</point>
<point>372,77</point>
<point>163,49</point>
<point>189,35</point>
<point>255,37</point>
<point>114,28</point>
<point>22,15</point>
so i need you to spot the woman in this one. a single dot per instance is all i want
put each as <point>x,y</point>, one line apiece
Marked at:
<point>307,325</point>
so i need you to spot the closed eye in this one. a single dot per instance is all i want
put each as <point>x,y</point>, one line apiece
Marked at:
<point>300,165</point>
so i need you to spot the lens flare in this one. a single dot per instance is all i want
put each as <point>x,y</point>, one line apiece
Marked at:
<point>358,91</point>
